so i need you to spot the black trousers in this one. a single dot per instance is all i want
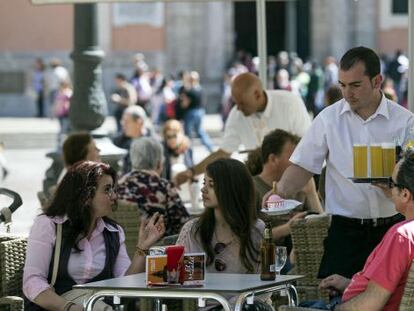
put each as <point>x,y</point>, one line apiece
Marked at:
<point>348,245</point>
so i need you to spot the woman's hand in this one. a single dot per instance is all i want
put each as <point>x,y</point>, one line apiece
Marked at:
<point>296,217</point>
<point>150,231</point>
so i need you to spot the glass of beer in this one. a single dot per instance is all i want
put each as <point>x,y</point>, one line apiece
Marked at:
<point>388,158</point>
<point>376,160</point>
<point>360,152</point>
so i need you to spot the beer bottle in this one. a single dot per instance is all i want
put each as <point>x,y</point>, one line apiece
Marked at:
<point>274,187</point>
<point>267,254</point>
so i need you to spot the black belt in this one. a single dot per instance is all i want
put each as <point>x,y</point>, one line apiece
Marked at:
<point>371,222</point>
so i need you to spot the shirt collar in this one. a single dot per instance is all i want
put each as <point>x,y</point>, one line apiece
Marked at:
<point>101,225</point>
<point>59,219</point>
<point>381,110</point>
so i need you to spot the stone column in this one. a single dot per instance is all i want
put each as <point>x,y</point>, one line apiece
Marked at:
<point>331,29</point>
<point>88,107</point>
<point>291,22</point>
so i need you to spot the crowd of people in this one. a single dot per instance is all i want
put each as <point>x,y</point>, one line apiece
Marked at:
<point>314,81</point>
<point>369,247</point>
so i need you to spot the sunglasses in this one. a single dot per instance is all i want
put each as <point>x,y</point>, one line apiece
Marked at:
<point>171,136</point>
<point>219,264</point>
<point>392,184</point>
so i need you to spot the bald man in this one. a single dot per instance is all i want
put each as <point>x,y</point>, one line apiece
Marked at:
<point>256,113</point>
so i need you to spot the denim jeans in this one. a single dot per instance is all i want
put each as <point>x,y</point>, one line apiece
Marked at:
<point>192,121</point>
<point>321,305</point>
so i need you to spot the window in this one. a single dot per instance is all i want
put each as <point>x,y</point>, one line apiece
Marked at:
<point>399,6</point>
<point>138,14</point>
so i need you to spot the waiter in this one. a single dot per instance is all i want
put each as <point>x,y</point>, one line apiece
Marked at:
<point>361,213</point>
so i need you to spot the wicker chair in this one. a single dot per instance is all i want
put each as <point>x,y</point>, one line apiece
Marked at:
<point>287,308</point>
<point>129,217</point>
<point>12,258</point>
<point>407,301</point>
<point>307,238</point>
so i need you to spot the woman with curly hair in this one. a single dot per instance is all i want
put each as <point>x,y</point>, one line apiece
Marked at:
<point>92,245</point>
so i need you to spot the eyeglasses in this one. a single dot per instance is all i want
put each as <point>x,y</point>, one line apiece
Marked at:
<point>172,136</point>
<point>110,191</point>
<point>219,264</point>
<point>392,184</point>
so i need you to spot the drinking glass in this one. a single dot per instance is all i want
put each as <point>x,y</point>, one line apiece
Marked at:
<point>280,258</point>
<point>360,153</point>
<point>376,160</point>
<point>388,158</point>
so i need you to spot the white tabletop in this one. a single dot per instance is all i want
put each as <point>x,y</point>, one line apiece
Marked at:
<point>215,282</point>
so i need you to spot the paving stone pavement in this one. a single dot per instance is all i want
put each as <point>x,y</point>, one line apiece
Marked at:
<point>28,140</point>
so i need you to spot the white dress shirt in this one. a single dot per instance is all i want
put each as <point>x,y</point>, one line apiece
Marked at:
<point>284,110</point>
<point>331,137</point>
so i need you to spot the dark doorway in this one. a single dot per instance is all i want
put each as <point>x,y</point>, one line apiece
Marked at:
<point>245,27</point>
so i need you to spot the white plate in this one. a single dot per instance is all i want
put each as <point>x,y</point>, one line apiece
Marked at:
<point>287,207</point>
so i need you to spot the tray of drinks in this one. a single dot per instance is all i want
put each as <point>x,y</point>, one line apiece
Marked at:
<point>373,163</point>
<point>369,180</point>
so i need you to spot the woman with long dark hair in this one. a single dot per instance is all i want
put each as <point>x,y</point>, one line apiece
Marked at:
<point>228,231</point>
<point>92,245</point>
<point>229,220</point>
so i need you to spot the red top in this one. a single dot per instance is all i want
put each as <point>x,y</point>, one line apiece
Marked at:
<point>388,265</point>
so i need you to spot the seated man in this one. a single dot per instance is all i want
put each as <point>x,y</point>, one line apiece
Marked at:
<point>380,284</point>
<point>277,147</point>
<point>135,124</point>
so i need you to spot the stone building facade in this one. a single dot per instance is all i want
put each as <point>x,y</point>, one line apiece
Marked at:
<point>173,36</point>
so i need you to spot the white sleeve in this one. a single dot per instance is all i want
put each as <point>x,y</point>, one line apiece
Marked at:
<point>302,121</point>
<point>312,149</point>
<point>231,140</point>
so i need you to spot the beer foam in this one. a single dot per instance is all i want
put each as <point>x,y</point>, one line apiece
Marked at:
<point>387,145</point>
<point>375,145</point>
<point>359,145</point>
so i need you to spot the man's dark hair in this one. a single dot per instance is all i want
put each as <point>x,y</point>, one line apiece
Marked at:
<point>120,76</point>
<point>333,94</point>
<point>75,147</point>
<point>362,54</point>
<point>405,176</point>
<point>274,142</point>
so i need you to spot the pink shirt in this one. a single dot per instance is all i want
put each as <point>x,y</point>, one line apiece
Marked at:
<point>388,265</point>
<point>82,266</point>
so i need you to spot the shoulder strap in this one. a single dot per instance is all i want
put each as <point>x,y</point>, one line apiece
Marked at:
<point>57,254</point>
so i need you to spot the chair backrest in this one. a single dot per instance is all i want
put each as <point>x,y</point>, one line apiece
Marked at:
<point>129,217</point>
<point>12,258</point>
<point>407,301</point>
<point>307,239</point>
